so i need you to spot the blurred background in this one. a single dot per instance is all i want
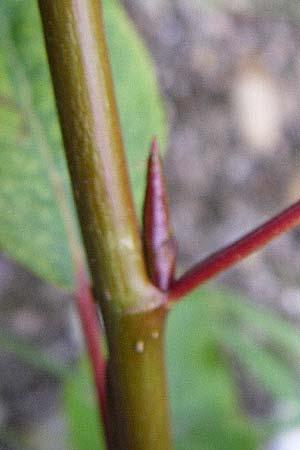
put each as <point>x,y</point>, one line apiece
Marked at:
<point>229,73</point>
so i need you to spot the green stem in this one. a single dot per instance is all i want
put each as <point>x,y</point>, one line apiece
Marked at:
<point>136,383</point>
<point>84,93</point>
<point>131,305</point>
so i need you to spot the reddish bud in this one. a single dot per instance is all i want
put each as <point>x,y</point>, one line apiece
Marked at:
<point>159,244</point>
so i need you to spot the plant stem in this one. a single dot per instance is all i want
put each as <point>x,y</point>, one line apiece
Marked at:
<point>137,383</point>
<point>230,255</point>
<point>129,302</point>
<point>81,75</point>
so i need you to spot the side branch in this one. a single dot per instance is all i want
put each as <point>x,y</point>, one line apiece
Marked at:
<point>228,256</point>
<point>92,335</point>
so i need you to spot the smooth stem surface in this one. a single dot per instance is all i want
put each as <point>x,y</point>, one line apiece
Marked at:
<point>81,75</point>
<point>137,384</point>
<point>79,64</point>
<point>230,255</point>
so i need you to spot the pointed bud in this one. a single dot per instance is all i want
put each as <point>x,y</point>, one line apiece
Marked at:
<point>159,244</point>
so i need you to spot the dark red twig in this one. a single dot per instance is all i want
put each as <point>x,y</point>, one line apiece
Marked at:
<point>91,330</point>
<point>159,244</point>
<point>228,256</point>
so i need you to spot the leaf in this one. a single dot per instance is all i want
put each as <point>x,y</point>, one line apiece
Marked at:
<point>205,405</point>
<point>37,224</point>
<point>268,369</point>
<point>81,409</point>
<point>274,361</point>
<point>31,225</point>
<point>205,402</point>
<point>270,325</point>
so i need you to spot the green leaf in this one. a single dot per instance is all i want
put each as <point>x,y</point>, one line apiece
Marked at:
<point>37,224</point>
<point>81,409</point>
<point>205,405</point>
<point>273,357</point>
<point>205,401</point>
<point>269,369</point>
<point>270,325</point>
<point>32,165</point>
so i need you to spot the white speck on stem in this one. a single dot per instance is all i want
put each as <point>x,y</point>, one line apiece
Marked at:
<point>107,294</point>
<point>127,243</point>
<point>139,346</point>
<point>155,334</point>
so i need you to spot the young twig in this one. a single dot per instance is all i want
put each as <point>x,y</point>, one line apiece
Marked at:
<point>230,255</point>
<point>91,330</point>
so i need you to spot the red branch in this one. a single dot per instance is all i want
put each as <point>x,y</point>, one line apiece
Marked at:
<point>91,330</point>
<point>228,256</point>
<point>159,244</point>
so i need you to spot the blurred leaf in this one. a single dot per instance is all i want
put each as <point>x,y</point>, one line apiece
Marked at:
<point>267,345</point>
<point>37,225</point>
<point>267,323</point>
<point>268,368</point>
<point>81,408</point>
<point>204,399</point>
<point>31,226</point>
